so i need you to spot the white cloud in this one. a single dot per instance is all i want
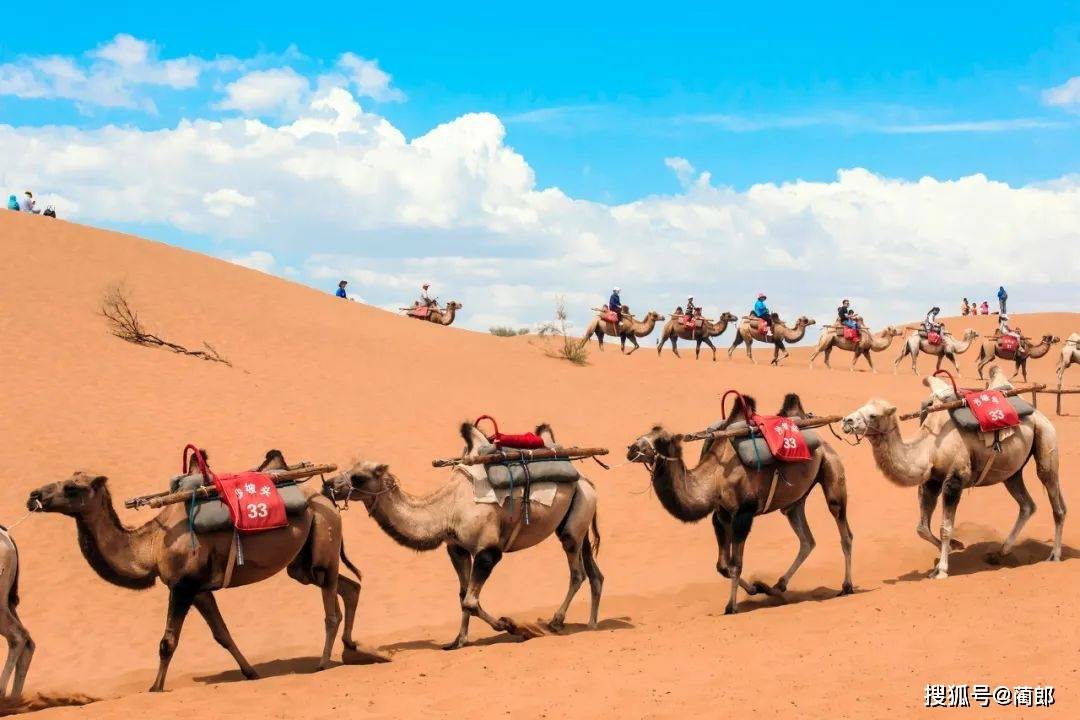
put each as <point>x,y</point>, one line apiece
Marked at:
<point>368,79</point>
<point>264,91</point>
<point>256,260</point>
<point>341,193</point>
<point>1066,95</point>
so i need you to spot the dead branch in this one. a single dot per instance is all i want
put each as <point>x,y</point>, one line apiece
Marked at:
<point>125,324</point>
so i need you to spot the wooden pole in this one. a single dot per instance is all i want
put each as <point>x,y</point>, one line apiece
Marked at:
<point>209,491</point>
<point>955,404</point>
<point>571,453</point>
<point>802,423</point>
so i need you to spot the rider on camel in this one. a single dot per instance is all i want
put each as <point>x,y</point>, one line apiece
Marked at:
<point>425,297</point>
<point>761,311</point>
<point>931,324</point>
<point>614,303</point>
<point>846,316</point>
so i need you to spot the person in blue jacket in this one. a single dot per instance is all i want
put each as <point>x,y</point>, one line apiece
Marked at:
<point>1002,298</point>
<point>341,290</point>
<point>614,303</point>
<point>761,310</point>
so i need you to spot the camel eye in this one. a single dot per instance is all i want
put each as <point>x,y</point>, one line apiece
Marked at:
<point>71,490</point>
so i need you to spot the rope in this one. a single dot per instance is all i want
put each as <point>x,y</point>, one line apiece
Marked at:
<point>19,521</point>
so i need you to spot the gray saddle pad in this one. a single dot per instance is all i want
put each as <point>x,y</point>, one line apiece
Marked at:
<point>966,420</point>
<point>213,515</point>
<point>503,477</point>
<point>753,452</point>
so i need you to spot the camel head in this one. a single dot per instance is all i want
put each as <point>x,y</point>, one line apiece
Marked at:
<point>970,334</point>
<point>71,497</point>
<point>657,443</point>
<point>364,481</point>
<point>454,305</point>
<point>804,321</point>
<point>892,331</point>
<point>653,315</point>
<point>872,418</point>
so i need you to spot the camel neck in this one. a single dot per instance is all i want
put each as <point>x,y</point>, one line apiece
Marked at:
<point>689,495</point>
<point>881,341</point>
<point>120,555</point>
<point>420,523</point>
<point>903,462</point>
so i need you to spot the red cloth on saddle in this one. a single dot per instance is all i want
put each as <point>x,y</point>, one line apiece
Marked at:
<point>851,334</point>
<point>611,317</point>
<point>783,437</point>
<point>253,501</point>
<point>992,409</point>
<point>762,326</point>
<point>690,322</point>
<point>1008,343</point>
<point>934,338</point>
<point>526,441</point>
<point>420,312</point>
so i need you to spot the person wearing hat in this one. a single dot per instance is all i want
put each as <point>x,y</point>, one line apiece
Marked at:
<point>425,298</point>
<point>27,202</point>
<point>761,310</point>
<point>931,324</point>
<point>341,290</point>
<point>614,302</point>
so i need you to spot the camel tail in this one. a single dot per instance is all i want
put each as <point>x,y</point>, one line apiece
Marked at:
<point>348,563</point>
<point>13,593</point>
<point>596,533</point>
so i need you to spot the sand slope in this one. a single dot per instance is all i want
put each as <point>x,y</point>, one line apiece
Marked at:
<point>328,380</point>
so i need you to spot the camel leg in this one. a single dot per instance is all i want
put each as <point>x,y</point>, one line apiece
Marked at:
<point>722,528</point>
<point>22,664</point>
<point>870,361</point>
<point>712,347</point>
<point>950,499</point>
<point>781,348</point>
<point>929,492</point>
<point>462,562</point>
<point>207,606</point>
<point>734,343</point>
<point>1015,486</point>
<point>331,618</point>
<point>952,359</point>
<point>596,580</point>
<point>572,547</point>
<point>675,345</point>
<point>349,590</point>
<point>740,530</point>
<point>180,600</point>
<point>896,362</point>
<point>835,489</point>
<point>633,341</point>
<point>483,563</point>
<point>1046,467</point>
<point>20,651</point>
<point>796,517</point>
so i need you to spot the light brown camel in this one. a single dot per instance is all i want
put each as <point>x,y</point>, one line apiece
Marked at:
<point>629,328</point>
<point>949,348</point>
<point>310,547</point>
<point>674,330</point>
<point>442,316</point>
<point>734,494</point>
<point>1070,355</point>
<point>20,644</point>
<point>942,460</point>
<point>747,332</point>
<point>832,338</point>
<point>989,349</point>
<point>477,534</point>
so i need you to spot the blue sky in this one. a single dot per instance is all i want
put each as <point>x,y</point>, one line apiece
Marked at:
<point>595,97</point>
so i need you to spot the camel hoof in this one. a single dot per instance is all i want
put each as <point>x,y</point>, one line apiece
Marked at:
<point>730,609</point>
<point>848,589</point>
<point>1054,557</point>
<point>525,632</point>
<point>939,575</point>
<point>556,624</point>
<point>780,586</point>
<point>457,644</point>
<point>995,558</point>
<point>250,674</point>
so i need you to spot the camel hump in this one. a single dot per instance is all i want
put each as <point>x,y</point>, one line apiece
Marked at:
<point>792,407</point>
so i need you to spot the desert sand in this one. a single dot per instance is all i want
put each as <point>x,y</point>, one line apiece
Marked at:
<point>329,381</point>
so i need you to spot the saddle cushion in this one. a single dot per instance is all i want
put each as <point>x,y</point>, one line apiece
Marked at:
<point>503,477</point>
<point>762,325</point>
<point>933,338</point>
<point>965,419</point>
<point>1007,344</point>
<point>851,334</point>
<point>212,515</point>
<point>690,322</point>
<point>754,452</point>
<point>420,312</point>
<point>610,316</point>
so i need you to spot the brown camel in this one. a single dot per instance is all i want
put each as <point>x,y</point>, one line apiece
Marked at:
<point>832,338</point>
<point>943,460</point>
<point>477,534</point>
<point>20,644</point>
<point>629,328</point>
<point>1070,355</point>
<point>437,315</point>
<point>949,348</point>
<point>989,349</point>
<point>309,547</point>
<point>674,330</point>
<point>735,494</point>
<point>747,331</point>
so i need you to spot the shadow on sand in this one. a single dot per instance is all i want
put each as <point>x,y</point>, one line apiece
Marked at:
<point>621,623</point>
<point>762,601</point>
<point>982,557</point>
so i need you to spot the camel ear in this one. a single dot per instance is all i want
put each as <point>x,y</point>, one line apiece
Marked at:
<point>890,410</point>
<point>466,431</point>
<point>380,470</point>
<point>546,433</point>
<point>99,482</point>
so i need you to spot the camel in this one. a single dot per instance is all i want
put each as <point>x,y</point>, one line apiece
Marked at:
<point>439,316</point>
<point>629,328</point>
<point>747,331</point>
<point>949,348</point>
<point>1070,355</point>
<point>832,338</point>
<point>20,644</point>
<point>675,330</point>
<point>734,494</point>
<point>477,534</point>
<point>309,547</point>
<point>941,460</point>
<point>989,349</point>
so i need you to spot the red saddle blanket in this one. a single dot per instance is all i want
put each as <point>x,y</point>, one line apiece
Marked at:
<point>420,312</point>
<point>762,326</point>
<point>610,316</point>
<point>934,338</point>
<point>690,322</point>
<point>783,437</point>
<point>253,501</point>
<point>851,334</point>
<point>1008,343</point>
<point>524,441</point>
<point>992,409</point>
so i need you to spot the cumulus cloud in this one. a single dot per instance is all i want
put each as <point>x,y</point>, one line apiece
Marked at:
<point>339,192</point>
<point>1066,95</point>
<point>264,91</point>
<point>368,79</point>
<point>256,260</point>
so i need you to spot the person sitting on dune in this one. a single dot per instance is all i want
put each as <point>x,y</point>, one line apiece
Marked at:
<point>27,203</point>
<point>341,290</point>
<point>13,203</point>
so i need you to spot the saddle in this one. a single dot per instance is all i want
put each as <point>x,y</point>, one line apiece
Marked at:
<point>691,322</point>
<point>851,334</point>
<point>1008,345</point>
<point>754,452</point>
<point>762,325</point>
<point>933,338</point>
<point>983,415</point>
<point>610,316</point>
<point>420,311</point>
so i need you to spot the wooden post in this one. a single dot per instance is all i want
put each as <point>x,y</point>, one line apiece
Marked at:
<point>802,423</point>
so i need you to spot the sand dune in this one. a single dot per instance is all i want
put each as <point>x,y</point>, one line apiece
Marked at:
<point>328,381</point>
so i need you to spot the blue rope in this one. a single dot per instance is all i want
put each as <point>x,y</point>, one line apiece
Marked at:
<point>191,522</point>
<point>757,454</point>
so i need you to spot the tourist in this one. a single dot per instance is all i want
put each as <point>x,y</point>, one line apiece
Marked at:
<point>341,290</point>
